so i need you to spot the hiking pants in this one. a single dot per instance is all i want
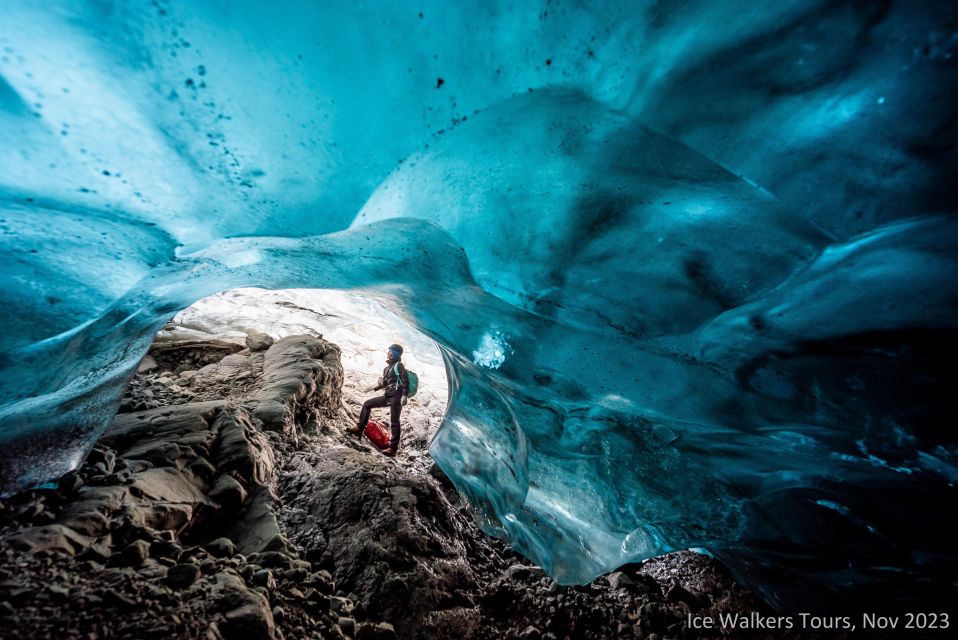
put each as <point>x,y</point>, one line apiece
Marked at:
<point>394,402</point>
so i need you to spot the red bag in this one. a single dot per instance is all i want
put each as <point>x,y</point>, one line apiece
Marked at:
<point>378,433</point>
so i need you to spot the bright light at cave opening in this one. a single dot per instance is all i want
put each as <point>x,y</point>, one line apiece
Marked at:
<point>359,324</point>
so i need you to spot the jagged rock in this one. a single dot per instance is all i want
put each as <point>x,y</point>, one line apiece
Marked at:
<point>102,456</point>
<point>147,364</point>
<point>678,593</point>
<point>100,499</point>
<point>619,580</point>
<point>181,576</point>
<point>170,486</point>
<point>202,467</point>
<point>258,341</point>
<point>522,572</point>
<point>53,537</point>
<point>300,373</point>
<point>133,429</point>
<point>248,614</point>
<point>344,498</point>
<point>241,448</point>
<point>379,631</point>
<point>160,454</point>
<point>256,529</point>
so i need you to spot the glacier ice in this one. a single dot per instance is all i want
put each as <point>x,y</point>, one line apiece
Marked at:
<point>691,266</point>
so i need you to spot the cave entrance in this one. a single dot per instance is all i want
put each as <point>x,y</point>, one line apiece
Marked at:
<point>360,324</point>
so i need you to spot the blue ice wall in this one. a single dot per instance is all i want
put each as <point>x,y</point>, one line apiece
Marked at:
<point>692,264</point>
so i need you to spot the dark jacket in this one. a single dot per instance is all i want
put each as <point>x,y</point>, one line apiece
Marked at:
<point>392,383</point>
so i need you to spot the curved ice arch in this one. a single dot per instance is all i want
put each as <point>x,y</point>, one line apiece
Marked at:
<point>727,403</point>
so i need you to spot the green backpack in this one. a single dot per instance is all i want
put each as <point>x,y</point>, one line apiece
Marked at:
<point>413,380</point>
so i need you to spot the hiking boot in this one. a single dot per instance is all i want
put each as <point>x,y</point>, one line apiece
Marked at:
<point>356,431</point>
<point>389,452</point>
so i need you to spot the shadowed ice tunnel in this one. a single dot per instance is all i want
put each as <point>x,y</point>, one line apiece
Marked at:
<point>692,265</point>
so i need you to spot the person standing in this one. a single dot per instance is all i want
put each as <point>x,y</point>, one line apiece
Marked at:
<point>395,385</point>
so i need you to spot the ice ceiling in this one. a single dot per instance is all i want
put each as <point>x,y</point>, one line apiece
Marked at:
<point>692,265</point>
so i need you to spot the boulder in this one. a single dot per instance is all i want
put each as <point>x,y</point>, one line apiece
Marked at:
<point>221,548</point>
<point>369,631</point>
<point>264,578</point>
<point>181,576</point>
<point>258,341</point>
<point>248,614</point>
<point>132,555</point>
<point>147,364</point>
<point>228,493</point>
<point>522,572</point>
<point>619,580</point>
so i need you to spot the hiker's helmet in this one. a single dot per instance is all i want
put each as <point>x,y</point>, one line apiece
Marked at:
<point>395,350</point>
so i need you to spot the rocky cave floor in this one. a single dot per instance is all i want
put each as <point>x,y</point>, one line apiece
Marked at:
<point>226,501</point>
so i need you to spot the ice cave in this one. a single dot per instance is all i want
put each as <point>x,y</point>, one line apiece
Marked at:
<point>690,265</point>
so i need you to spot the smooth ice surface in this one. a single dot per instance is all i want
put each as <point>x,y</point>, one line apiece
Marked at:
<point>690,265</point>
